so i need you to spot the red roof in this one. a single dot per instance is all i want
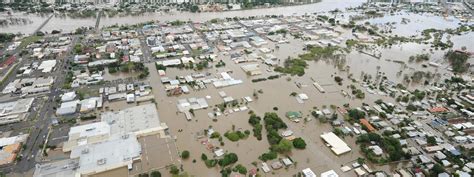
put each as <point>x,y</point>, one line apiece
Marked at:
<point>366,123</point>
<point>342,110</point>
<point>125,58</point>
<point>438,109</point>
<point>8,62</point>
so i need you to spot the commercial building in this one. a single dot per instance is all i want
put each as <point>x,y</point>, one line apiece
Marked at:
<point>252,69</point>
<point>14,111</point>
<point>90,159</point>
<point>87,134</point>
<point>338,146</point>
<point>140,120</point>
<point>107,155</point>
<point>9,147</point>
<point>63,168</point>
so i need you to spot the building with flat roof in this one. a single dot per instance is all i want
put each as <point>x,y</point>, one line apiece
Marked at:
<point>107,155</point>
<point>87,134</point>
<point>141,120</point>
<point>9,147</point>
<point>14,111</point>
<point>63,168</point>
<point>90,159</point>
<point>338,146</point>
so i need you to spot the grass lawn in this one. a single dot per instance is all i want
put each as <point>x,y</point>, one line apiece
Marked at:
<point>28,40</point>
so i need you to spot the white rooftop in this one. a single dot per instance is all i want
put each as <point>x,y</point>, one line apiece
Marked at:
<point>140,120</point>
<point>330,173</point>
<point>338,146</point>
<point>89,130</point>
<point>107,155</point>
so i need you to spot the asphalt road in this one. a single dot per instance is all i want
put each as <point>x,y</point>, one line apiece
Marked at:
<point>32,153</point>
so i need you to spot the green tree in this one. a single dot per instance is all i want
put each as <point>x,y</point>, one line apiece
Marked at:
<point>458,61</point>
<point>437,169</point>
<point>356,114</point>
<point>431,140</point>
<point>283,146</point>
<point>185,154</point>
<point>228,159</point>
<point>174,170</point>
<point>203,156</point>
<point>299,143</point>
<point>155,174</point>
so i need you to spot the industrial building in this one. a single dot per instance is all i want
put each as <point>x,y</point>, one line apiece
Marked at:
<point>95,158</point>
<point>338,146</point>
<point>11,112</point>
<point>9,147</point>
<point>140,120</point>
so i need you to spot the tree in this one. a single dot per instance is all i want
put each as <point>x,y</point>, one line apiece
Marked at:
<point>268,156</point>
<point>185,154</point>
<point>283,146</point>
<point>215,135</point>
<point>338,79</point>
<point>431,140</point>
<point>143,175</point>
<point>228,159</point>
<point>6,37</point>
<point>437,169</point>
<point>194,8</point>
<point>203,156</point>
<point>299,143</point>
<point>356,114</point>
<point>338,132</point>
<point>174,170</point>
<point>240,168</point>
<point>155,174</point>
<point>458,61</point>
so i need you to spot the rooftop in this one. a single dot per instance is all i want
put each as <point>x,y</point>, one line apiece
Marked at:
<point>140,120</point>
<point>107,155</point>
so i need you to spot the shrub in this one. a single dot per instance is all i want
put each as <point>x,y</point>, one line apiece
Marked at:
<point>228,159</point>
<point>299,143</point>
<point>185,154</point>
<point>174,170</point>
<point>203,156</point>
<point>155,174</point>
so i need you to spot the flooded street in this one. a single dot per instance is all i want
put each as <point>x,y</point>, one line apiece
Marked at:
<point>276,93</point>
<point>334,70</point>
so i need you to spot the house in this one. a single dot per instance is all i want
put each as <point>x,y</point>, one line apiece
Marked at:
<point>337,145</point>
<point>376,149</point>
<point>251,69</point>
<point>293,115</point>
<point>330,173</point>
<point>307,172</point>
<point>438,110</point>
<point>366,123</point>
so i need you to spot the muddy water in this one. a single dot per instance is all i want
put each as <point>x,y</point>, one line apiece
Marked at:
<point>68,24</point>
<point>362,63</point>
<point>23,28</point>
<point>418,22</point>
<point>275,94</point>
<point>325,5</point>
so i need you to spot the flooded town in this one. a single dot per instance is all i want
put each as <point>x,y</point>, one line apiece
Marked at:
<point>238,88</point>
